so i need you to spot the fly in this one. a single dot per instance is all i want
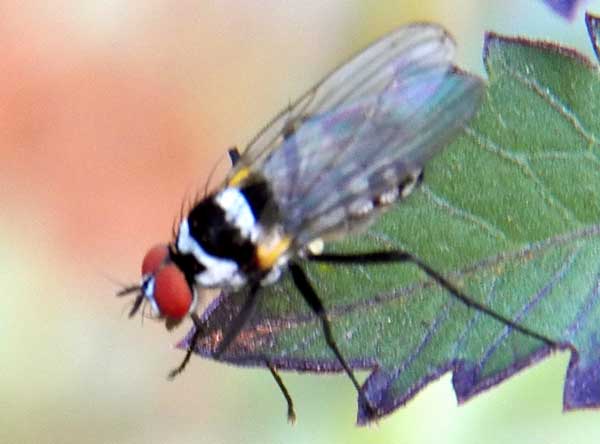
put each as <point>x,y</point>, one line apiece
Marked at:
<point>323,168</point>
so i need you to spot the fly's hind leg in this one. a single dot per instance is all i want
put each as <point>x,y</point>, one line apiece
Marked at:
<point>397,256</point>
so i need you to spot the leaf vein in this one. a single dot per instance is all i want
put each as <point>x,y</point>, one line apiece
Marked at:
<point>462,214</point>
<point>523,164</point>
<point>546,93</point>
<point>586,310</point>
<point>530,305</point>
<point>411,358</point>
<point>459,343</point>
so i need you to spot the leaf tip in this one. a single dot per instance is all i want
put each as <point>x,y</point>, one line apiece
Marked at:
<point>582,384</point>
<point>592,22</point>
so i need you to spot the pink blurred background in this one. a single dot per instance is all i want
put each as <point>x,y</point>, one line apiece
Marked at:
<point>111,113</point>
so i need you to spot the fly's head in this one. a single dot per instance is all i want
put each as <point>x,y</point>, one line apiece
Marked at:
<point>164,286</point>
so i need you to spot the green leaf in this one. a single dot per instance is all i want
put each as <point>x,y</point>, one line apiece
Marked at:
<point>509,213</point>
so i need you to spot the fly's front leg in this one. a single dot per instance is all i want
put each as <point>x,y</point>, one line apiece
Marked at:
<point>312,299</point>
<point>234,155</point>
<point>199,332</point>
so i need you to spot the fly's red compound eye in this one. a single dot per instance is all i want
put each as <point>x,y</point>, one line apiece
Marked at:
<point>154,259</point>
<point>172,293</point>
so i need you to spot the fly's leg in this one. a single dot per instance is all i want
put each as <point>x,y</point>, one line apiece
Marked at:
<point>234,155</point>
<point>312,299</point>
<point>238,323</point>
<point>387,257</point>
<point>291,414</point>
<point>234,330</point>
<point>198,333</point>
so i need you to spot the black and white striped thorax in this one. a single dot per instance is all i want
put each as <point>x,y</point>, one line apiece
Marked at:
<point>222,234</point>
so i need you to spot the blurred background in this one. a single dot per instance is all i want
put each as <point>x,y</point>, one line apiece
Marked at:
<point>111,113</point>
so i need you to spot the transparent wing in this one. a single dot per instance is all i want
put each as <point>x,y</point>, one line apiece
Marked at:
<point>360,151</point>
<point>365,74</point>
<point>363,130</point>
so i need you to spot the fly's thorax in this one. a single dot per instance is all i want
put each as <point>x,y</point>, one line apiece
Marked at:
<point>217,245</point>
<point>233,236</point>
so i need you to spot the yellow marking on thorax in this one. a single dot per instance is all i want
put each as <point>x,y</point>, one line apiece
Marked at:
<point>267,254</point>
<point>239,177</point>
